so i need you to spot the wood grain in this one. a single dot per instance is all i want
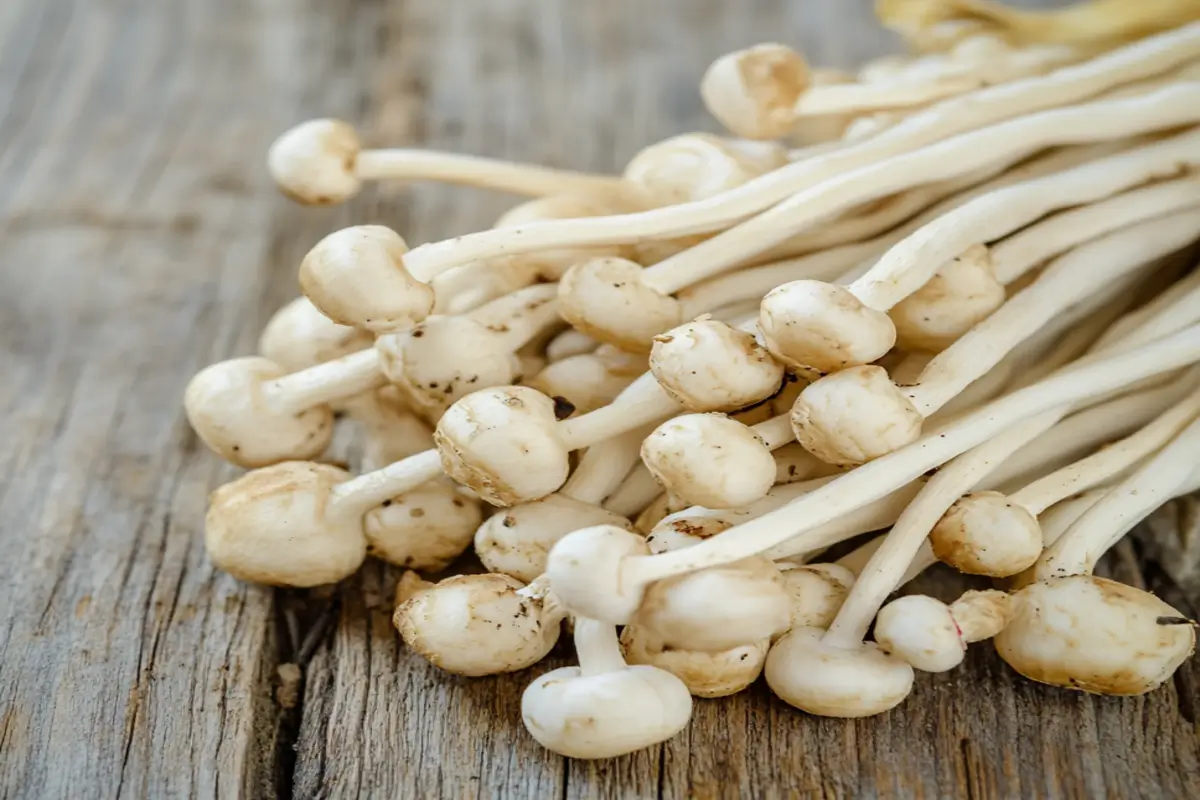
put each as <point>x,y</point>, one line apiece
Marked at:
<point>141,240</point>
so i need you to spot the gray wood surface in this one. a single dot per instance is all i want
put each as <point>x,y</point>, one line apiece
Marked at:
<point>140,239</point>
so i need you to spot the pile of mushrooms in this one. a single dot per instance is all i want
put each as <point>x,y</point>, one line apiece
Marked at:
<point>715,412</point>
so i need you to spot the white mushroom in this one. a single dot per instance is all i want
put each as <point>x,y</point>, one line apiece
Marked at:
<point>604,708</point>
<point>480,624</point>
<point>706,674</point>
<point>299,336</point>
<point>933,636</point>
<point>321,162</point>
<point>589,380</point>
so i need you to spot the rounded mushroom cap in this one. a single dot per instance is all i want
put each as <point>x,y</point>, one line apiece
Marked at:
<point>228,409</point>
<point>753,92</point>
<point>478,625</point>
<point>680,530</point>
<point>586,572</point>
<point>607,714</point>
<point>391,431</point>
<point>356,276</point>
<point>314,162</point>
<point>961,294</point>
<point>709,366</point>
<point>821,326</point>
<point>829,681</point>
<point>467,286</point>
<point>1095,635</point>
<point>922,631</point>
<point>275,526</point>
<point>589,380</point>
<point>854,416</point>
<point>606,299</point>
<point>517,541</point>
<point>443,359</point>
<point>695,166</point>
<point>709,460</point>
<point>985,534</point>
<point>719,607</point>
<point>817,592</point>
<point>424,529</point>
<point>718,674</point>
<point>550,264</point>
<point>503,444</point>
<point>299,336</point>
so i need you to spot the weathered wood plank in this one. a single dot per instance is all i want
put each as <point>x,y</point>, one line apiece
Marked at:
<point>134,217</point>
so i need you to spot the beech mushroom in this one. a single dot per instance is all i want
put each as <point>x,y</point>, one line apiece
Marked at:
<point>589,380</point>
<point>933,636</point>
<point>706,674</point>
<point>480,624</point>
<point>1143,59</point>
<point>858,414</point>
<point>604,707</point>
<point>321,162</point>
<point>299,336</point>
<point>604,572</point>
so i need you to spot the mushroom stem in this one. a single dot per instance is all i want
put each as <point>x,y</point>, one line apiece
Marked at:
<point>519,317</point>
<point>528,180</point>
<point>360,494</point>
<point>1143,59</point>
<point>597,646</point>
<point>642,403</point>
<point>323,383</point>
<point>775,432</point>
<point>603,466</point>
<point>1159,478</point>
<point>877,478</point>
<point>636,492</point>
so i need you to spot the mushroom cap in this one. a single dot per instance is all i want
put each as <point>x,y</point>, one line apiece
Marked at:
<point>717,608</point>
<point>442,359</point>
<point>503,444</point>
<point>922,631</point>
<point>605,715</point>
<point>709,366</point>
<point>356,276</point>
<point>962,293</point>
<point>696,166</point>
<point>550,264</point>
<point>607,299</point>
<point>426,528</point>
<point>226,406</point>
<point>314,162</point>
<point>706,674</point>
<point>517,540</point>
<point>817,592</point>
<point>299,336</point>
<point>478,625</point>
<point>589,380</point>
<point>1095,635</point>
<point>820,326</point>
<point>709,460</point>
<point>276,526</point>
<point>753,92</point>
<point>984,533</point>
<point>465,287</point>
<point>853,416</point>
<point>830,681</point>
<point>586,572</point>
<point>676,531</point>
<point>391,432</point>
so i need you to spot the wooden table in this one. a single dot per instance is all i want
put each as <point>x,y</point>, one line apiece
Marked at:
<point>142,240</point>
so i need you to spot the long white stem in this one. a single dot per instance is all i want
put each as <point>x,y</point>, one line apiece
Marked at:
<point>597,647</point>
<point>1069,279</point>
<point>1164,108</point>
<point>636,492</point>
<point>1149,57</point>
<point>603,466</point>
<point>362,493</point>
<point>1016,255</point>
<point>523,179</point>
<point>883,475</point>
<point>643,402</point>
<point>333,380</point>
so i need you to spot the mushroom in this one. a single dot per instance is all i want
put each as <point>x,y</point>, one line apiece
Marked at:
<point>569,342</point>
<point>706,674</point>
<point>322,162</point>
<point>604,572</point>
<point>933,636</point>
<point>858,414</point>
<point>855,174</point>
<point>301,523</point>
<point>517,540</point>
<point>589,380</point>
<point>637,491</point>
<point>444,358</point>
<point>1077,631</point>
<point>697,166</point>
<point>299,336</point>
<point>604,707</point>
<point>477,625</point>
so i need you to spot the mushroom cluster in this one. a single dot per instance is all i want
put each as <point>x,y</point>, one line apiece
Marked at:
<point>714,412</point>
